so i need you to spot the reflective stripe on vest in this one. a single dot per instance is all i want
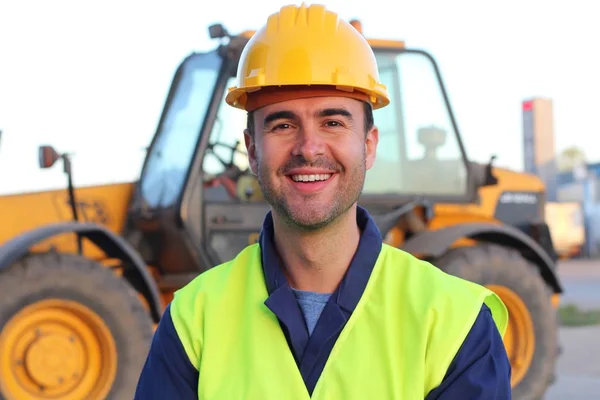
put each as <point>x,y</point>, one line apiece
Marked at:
<point>404,333</point>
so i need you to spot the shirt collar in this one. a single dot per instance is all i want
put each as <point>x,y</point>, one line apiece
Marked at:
<point>350,290</point>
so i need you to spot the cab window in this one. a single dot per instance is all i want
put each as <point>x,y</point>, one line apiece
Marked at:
<point>418,151</point>
<point>171,154</point>
<point>227,134</point>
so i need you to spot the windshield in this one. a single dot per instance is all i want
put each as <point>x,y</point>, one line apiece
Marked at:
<point>418,151</point>
<point>171,155</point>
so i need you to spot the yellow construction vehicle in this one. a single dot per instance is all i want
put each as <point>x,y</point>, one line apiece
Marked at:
<point>85,273</point>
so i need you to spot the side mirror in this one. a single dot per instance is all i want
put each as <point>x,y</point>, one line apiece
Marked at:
<point>490,178</point>
<point>217,31</point>
<point>47,156</point>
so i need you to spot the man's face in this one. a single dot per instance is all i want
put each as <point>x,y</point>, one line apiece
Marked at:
<point>311,156</point>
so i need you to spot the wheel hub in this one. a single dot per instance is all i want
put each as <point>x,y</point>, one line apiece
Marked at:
<point>519,339</point>
<point>52,360</point>
<point>56,349</point>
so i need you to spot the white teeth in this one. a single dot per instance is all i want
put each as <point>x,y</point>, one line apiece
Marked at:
<point>311,178</point>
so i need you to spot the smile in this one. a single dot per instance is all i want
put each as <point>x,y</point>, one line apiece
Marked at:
<point>311,178</point>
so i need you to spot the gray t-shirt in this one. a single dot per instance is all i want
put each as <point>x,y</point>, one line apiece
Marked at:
<point>312,305</point>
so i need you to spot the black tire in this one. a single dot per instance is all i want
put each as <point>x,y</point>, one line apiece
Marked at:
<point>71,277</point>
<point>489,264</point>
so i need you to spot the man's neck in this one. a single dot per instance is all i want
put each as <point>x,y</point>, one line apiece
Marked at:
<point>317,261</point>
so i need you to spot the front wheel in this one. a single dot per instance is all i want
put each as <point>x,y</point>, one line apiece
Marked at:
<point>532,333</point>
<point>70,329</point>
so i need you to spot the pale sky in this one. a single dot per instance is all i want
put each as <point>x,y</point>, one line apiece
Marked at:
<point>84,76</point>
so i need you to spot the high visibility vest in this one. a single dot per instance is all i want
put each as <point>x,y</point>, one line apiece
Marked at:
<point>398,343</point>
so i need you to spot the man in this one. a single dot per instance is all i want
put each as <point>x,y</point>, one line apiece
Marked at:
<point>320,308</point>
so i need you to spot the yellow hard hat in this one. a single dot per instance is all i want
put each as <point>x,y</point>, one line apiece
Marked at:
<point>301,49</point>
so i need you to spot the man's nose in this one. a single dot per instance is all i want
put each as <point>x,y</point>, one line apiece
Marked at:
<point>310,143</point>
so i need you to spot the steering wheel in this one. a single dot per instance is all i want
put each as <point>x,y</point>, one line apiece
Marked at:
<point>234,149</point>
<point>232,172</point>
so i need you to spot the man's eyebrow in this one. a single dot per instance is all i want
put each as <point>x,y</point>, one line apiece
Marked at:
<point>330,112</point>
<point>279,115</point>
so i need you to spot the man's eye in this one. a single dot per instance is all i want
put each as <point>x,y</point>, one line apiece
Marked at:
<point>281,126</point>
<point>333,123</point>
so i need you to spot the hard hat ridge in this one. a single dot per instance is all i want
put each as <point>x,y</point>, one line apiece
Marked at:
<point>306,47</point>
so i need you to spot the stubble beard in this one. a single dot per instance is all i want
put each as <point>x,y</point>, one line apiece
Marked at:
<point>312,215</point>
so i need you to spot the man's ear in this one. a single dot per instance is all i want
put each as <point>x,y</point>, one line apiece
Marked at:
<point>371,146</point>
<point>251,149</point>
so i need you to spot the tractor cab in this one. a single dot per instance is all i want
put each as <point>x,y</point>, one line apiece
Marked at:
<point>199,200</point>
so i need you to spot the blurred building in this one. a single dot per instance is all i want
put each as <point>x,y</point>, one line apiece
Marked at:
<point>539,149</point>
<point>580,185</point>
<point>583,186</point>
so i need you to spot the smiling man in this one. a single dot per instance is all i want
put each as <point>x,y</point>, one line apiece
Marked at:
<point>320,308</point>
<point>314,166</point>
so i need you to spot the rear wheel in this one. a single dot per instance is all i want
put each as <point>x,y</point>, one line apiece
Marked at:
<point>71,329</point>
<point>532,333</point>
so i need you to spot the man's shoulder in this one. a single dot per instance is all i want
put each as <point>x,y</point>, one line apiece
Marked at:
<point>434,286</point>
<point>439,290</point>
<point>409,266</point>
<point>208,288</point>
<point>213,279</point>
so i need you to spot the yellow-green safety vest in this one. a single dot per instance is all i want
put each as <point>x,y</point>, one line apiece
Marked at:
<point>398,343</point>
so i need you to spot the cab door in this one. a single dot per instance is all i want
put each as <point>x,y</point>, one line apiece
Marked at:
<point>420,154</point>
<point>156,217</point>
<point>226,209</point>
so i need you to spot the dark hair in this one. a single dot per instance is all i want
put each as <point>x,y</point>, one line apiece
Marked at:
<point>368,110</point>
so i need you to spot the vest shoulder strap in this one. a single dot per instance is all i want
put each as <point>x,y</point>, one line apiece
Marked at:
<point>188,304</point>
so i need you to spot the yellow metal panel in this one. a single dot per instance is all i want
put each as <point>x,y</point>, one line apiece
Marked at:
<point>104,204</point>
<point>386,44</point>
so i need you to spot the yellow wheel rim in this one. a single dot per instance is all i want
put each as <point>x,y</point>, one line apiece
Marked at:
<point>56,349</point>
<point>519,339</point>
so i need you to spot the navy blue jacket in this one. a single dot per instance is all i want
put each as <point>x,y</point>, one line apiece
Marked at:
<point>480,370</point>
